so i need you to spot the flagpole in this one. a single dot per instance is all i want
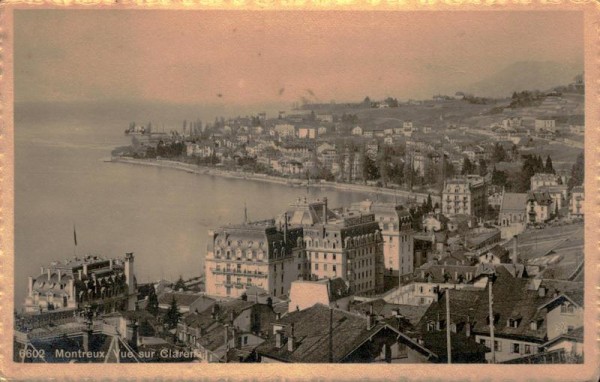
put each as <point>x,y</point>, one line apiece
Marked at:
<point>74,241</point>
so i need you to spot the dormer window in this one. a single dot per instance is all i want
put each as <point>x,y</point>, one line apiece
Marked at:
<point>512,323</point>
<point>567,308</point>
<point>533,325</point>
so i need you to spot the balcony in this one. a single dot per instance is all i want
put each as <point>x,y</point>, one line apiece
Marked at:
<point>237,273</point>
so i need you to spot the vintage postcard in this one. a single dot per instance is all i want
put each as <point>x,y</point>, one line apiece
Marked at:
<point>410,187</point>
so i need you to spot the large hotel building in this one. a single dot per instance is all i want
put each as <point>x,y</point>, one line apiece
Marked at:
<point>395,223</point>
<point>465,195</point>
<point>73,283</point>
<point>321,243</point>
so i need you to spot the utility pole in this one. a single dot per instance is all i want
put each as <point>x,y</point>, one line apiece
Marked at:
<point>330,335</point>
<point>491,302</point>
<point>448,340</point>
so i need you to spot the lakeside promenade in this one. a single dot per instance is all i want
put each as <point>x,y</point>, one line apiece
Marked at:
<point>194,169</point>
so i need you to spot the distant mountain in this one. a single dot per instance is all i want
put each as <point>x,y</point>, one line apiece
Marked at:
<point>525,75</point>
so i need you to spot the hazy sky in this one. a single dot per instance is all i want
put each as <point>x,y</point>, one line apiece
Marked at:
<point>260,57</point>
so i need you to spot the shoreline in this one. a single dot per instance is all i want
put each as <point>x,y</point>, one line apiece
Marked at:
<point>194,169</point>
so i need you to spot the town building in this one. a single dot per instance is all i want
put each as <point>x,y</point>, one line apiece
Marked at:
<point>320,335</point>
<point>465,195</point>
<point>307,132</point>
<point>228,331</point>
<point>334,293</point>
<point>558,194</point>
<point>285,130</point>
<point>357,130</point>
<point>346,244</point>
<point>187,301</point>
<point>542,124</point>
<point>512,209</point>
<point>539,207</point>
<point>395,224</point>
<point>253,254</point>
<point>108,284</point>
<point>540,180</point>
<point>576,205</point>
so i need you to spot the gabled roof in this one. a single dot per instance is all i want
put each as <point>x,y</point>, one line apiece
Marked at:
<point>541,198</point>
<point>573,335</point>
<point>513,202</point>
<point>311,333</point>
<point>513,298</point>
<point>412,313</point>
<point>184,298</point>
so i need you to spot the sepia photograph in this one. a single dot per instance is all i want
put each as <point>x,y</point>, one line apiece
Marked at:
<point>302,187</point>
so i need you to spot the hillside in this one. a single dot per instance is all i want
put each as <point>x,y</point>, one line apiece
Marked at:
<point>525,75</point>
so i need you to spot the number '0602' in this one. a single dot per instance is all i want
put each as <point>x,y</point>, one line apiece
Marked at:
<point>32,353</point>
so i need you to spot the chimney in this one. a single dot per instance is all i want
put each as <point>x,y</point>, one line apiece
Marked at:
<point>291,339</point>
<point>110,263</point>
<point>542,291</point>
<point>134,335</point>
<point>468,329</point>
<point>85,270</point>
<point>59,275</point>
<point>234,337</point>
<point>49,271</point>
<point>231,316</point>
<point>41,270</point>
<point>79,273</point>
<point>515,252</point>
<point>325,210</point>
<point>278,340</point>
<point>29,286</point>
<point>285,227</point>
<point>370,321</point>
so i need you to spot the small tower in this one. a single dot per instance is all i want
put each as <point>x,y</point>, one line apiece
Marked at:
<point>130,280</point>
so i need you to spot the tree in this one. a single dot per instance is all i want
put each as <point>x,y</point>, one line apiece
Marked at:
<point>429,203</point>
<point>468,167</point>
<point>499,178</point>
<point>145,329</point>
<point>180,284</point>
<point>577,172</point>
<point>172,315</point>
<point>548,168</point>
<point>482,167</point>
<point>152,306</point>
<point>499,154</point>
<point>369,168</point>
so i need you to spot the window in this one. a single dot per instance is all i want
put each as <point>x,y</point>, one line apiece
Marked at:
<point>324,267</point>
<point>316,267</point>
<point>334,256</point>
<point>516,348</point>
<point>299,266</point>
<point>325,256</point>
<point>334,268</point>
<point>497,346</point>
<point>527,349</point>
<point>567,308</point>
<point>316,255</point>
<point>245,340</point>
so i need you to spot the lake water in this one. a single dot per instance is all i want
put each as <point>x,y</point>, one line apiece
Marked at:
<point>161,215</point>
